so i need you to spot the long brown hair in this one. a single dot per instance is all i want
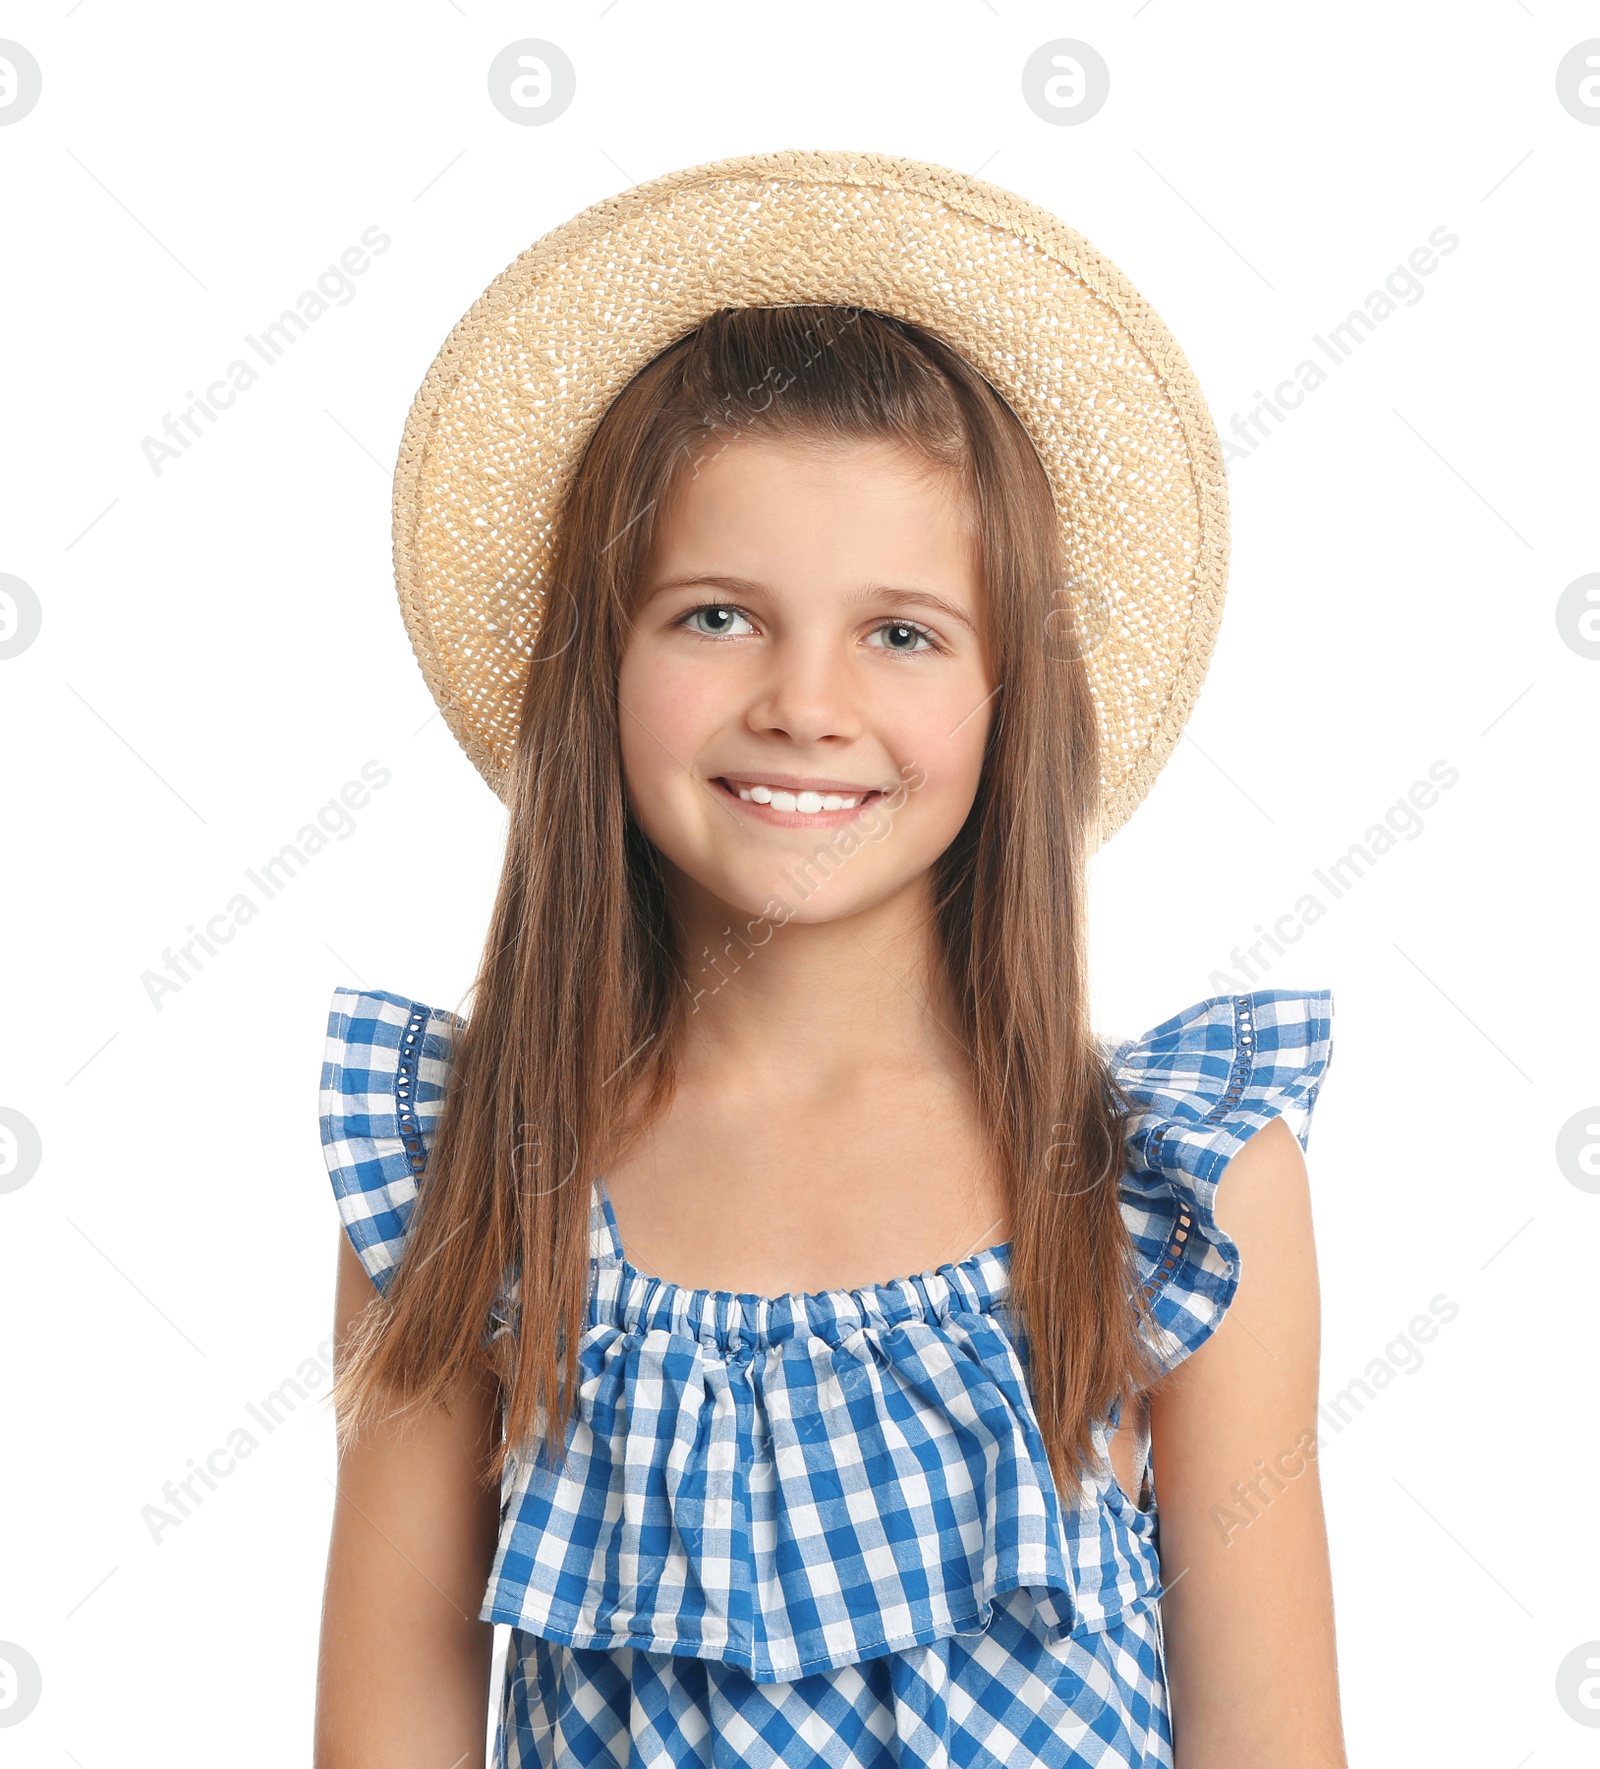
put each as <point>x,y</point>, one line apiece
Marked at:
<point>580,1000</point>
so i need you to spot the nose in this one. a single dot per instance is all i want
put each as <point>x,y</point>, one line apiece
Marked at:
<point>807,692</point>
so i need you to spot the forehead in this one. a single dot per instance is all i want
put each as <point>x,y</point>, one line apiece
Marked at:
<point>807,506</point>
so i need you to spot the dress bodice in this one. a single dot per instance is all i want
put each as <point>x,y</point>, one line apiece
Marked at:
<point>791,1489</point>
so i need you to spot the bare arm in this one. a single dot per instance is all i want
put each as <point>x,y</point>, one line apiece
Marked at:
<point>404,1669</point>
<point>1244,1549</point>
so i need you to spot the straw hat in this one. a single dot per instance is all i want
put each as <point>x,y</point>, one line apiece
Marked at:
<point>1113,409</point>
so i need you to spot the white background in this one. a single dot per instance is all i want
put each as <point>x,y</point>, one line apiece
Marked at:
<point>221,651</point>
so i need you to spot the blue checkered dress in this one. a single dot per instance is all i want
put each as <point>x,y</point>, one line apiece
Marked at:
<point>821,1528</point>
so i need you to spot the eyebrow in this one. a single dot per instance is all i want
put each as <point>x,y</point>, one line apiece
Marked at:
<point>743,586</point>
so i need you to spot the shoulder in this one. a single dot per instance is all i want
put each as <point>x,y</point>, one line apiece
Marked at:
<point>1226,1086</point>
<point>1264,1207</point>
<point>1269,1167</point>
<point>1264,1341</point>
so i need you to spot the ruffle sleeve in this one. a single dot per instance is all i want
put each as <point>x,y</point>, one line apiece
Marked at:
<point>386,1064</point>
<point>1202,1084</point>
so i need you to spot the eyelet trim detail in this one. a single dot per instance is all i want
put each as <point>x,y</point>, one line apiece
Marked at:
<point>1244,1037</point>
<point>405,1088</point>
<point>1175,1247</point>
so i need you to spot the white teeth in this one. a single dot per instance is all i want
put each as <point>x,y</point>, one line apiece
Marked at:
<point>808,803</point>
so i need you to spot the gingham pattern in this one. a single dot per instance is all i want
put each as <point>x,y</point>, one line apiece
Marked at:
<point>822,1527</point>
<point>1005,1699</point>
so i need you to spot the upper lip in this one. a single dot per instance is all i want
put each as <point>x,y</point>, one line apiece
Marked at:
<point>795,783</point>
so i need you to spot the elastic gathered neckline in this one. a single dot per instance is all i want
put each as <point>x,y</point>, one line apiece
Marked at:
<point>735,1321</point>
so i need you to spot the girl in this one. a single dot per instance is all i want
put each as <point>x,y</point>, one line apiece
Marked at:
<point>790,1311</point>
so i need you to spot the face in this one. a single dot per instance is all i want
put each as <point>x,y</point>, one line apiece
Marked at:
<point>804,697</point>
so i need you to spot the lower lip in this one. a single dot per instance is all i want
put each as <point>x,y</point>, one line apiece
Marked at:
<point>795,819</point>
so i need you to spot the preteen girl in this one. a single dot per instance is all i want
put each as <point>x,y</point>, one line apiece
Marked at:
<point>772,1301</point>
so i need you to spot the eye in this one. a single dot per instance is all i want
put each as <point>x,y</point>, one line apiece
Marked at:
<point>719,619</point>
<point>903,636</point>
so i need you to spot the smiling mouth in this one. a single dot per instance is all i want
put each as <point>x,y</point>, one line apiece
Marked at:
<point>796,808</point>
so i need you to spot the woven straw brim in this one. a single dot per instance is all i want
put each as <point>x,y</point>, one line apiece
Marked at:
<point>1113,409</point>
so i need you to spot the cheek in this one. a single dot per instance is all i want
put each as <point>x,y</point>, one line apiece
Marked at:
<point>664,721</point>
<point>652,717</point>
<point>940,757</point>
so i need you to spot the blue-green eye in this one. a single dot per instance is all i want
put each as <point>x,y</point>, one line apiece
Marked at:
<point>719,620</point>
<point>904,636</point>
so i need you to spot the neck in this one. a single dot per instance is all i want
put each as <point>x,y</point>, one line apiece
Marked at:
<point>818,1008</point>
